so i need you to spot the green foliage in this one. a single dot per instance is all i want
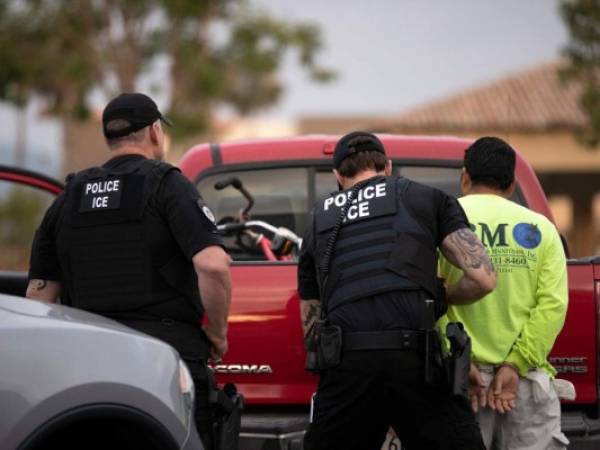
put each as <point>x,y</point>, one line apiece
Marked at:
<point>582,18</point>
<point>42,52</point>
<point>221,53</point>
<point>20,213</point>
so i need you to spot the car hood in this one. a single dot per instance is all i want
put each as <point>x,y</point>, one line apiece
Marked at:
<point>59,313</point>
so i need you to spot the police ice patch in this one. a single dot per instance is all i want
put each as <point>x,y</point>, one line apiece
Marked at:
<point>527,235</point>
<point>101,195</point>
<point>207,212</point>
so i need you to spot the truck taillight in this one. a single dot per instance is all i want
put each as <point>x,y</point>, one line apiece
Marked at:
<point>328,148</point>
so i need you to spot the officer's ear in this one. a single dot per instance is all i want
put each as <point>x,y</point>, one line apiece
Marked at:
<point>511,189</point>
<point>338,177</point>
<point>154,130</point>
<point>465,182</point>
<point>388,168</point>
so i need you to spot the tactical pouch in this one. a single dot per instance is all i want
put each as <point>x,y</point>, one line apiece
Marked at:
<point>228,405</point>
<point>330,346</point>
<point>441,305</point>
<point>432,358</point>
<point>311,345</point>
<point>323,344</point>
<point>431,345</point>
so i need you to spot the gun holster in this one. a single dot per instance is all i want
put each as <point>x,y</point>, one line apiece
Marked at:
<point>227,405</point>
<point>323,345</point>
<point>458,361</point>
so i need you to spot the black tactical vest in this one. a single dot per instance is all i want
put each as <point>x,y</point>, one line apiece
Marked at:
<point>380,248</point>
<point>109,265</point>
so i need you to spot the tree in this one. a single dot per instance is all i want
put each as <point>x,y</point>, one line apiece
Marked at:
<point>20,213</point>
<point>221,53</point>
<point>582,18</point>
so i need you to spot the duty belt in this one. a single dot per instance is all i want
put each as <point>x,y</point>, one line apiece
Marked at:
<point>382,340</point>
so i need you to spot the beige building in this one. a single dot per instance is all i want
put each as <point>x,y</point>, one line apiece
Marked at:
<point>534,111</point>
<point>85,145</point>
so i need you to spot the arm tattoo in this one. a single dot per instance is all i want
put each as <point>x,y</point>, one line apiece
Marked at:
<point>312,313</point>
<point>471,250</point>
<point>39,285</point>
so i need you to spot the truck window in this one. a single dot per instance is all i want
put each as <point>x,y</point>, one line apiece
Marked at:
<point>445,178</point>
<point>325,184</point>
<point>284,196</point>
<point>280,199</point>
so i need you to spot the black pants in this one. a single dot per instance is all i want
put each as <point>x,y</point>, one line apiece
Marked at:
<point>203,412</point>
<point>372,390</point>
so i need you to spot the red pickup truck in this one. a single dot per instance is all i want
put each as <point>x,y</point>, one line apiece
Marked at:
<point>284,178</point>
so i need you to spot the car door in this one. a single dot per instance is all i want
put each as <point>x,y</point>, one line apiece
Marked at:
<point>24,197</point>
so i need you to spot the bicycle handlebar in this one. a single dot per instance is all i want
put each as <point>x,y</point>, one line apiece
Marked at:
<point>281,231</point>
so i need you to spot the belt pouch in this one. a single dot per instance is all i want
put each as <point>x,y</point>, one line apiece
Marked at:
<point>330,348</point>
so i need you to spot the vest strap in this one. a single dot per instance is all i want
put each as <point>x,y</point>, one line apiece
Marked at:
<point>385,225</point>
<point>356,261</point>
<point>365,244</point>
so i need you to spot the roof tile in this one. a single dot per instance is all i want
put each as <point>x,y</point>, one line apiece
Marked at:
<point>532,100</point>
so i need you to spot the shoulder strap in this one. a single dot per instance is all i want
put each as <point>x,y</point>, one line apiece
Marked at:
<point>403,184</point>
<point>69,178</point>
<point>155,172</point>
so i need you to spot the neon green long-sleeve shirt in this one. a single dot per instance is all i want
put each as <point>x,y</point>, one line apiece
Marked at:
<point>519,321</point>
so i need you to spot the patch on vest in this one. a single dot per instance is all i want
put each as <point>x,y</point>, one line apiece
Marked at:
<point>373,200</point>
<point>101,195</point>
<point>206,211</point>
<point>527,235</point>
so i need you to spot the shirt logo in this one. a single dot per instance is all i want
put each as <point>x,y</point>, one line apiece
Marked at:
<point>527,235</point>
<point>101,195</point>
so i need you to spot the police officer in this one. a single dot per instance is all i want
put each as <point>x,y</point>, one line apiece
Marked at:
<point>381,271</point>
<point>133,240</point>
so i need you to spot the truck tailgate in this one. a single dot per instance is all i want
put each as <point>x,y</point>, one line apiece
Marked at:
<point>266,356</point>
<point>574,354</point>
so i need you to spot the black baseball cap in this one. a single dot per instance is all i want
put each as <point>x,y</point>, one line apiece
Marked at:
<point>357,141</point>
<point>137,109</point>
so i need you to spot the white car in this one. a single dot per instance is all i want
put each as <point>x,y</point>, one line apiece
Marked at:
<point>70,379</point>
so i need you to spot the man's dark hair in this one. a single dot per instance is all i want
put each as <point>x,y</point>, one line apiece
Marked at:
<point>490,161</point>
<point>117,125</point>
<point>354,143</point>
<point>361,161</point>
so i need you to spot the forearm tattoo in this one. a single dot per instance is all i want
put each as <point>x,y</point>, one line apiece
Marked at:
<point>313,311</point>
<point>311,314</point>
<point>39,285</point>
<point>472,251</point>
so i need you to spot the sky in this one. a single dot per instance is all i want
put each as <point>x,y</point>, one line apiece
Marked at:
<point>389,55</point>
